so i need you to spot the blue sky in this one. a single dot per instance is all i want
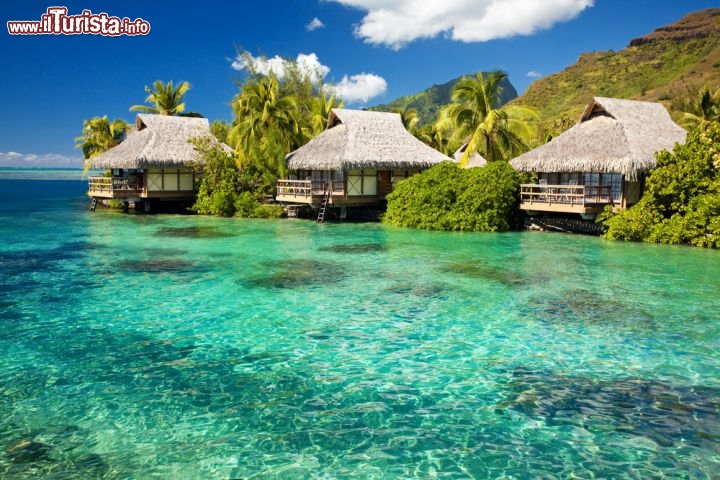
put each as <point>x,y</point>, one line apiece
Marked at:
<point>373,50</point>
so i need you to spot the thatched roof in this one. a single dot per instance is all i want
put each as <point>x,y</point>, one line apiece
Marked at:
<point>357,139</point>
<point>612,136</point>
<point>160,141</point>
<point>476,160</point>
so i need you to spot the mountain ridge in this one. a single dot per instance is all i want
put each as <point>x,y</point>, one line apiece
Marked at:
<point>667,65</point>
<point>430,101</point>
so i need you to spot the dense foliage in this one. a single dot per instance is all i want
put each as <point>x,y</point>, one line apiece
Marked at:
<point>703,110</point>
<point>274,114</point>
<point>681,204</point>
<point>99,135</point>
<point>227,190</point>
<point>478,118</point>
<point>447,197</point>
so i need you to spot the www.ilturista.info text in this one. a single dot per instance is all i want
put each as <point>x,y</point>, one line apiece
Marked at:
<point>56,21</point>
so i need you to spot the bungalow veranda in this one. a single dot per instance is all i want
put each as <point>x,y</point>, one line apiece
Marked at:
<point>355,162</point>
<point>600,161</point>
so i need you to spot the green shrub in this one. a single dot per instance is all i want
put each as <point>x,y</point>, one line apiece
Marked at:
<point>681,204</point>
<point>247,206</point>
<point>447,197</point>
<point>227,190</point>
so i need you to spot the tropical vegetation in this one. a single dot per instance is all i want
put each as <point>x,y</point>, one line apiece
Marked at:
<point>165,99</point>
<point>681,203</point>
<point>275,115</point>
<point>227,190</point>
<point>429,102</point>
<point>704,110</point>
<point>447,197</point>
<point>477,117</point>
<point>99,135</point>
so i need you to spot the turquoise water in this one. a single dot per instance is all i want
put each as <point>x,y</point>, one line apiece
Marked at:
<point>150,346</point>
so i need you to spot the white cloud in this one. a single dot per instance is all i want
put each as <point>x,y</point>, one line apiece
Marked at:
<point>352,88</point>
<point>309,65</point>
<point>34,160</point>
<point>397,22</point>
<point>533,74</point>
<point>314,24</point>
<point>359,88</point>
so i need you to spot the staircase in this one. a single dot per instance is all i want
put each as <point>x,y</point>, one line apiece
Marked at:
<point>323,206</point>
<point>93,204</point>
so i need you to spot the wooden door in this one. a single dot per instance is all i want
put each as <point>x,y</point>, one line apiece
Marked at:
<point>384,181</point>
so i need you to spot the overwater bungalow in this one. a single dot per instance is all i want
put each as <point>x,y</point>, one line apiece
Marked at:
<point>355,162</point>
<point>600,161</point>
<point>154,162</point>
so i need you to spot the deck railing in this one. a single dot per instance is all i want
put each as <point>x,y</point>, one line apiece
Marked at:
<point>294,188</point>
<point>100,184</point>
<point>306,189</point>
<point>114,184</point>
<point>572,195</point>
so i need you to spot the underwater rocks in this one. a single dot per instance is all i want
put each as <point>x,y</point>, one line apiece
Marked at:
<point>664,413</point>
<point>295,274</point>
<point>486,272</point>
<point>157,265</point>
<point>586,307</point>
<point>27,451</point>
<point>197,231</point>
<point>355,248</point>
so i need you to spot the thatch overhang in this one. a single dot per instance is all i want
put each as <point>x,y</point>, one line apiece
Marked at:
<point>476,160</point>
<point>356,139</point>
<point>612,136</point>
<point>157,141</point>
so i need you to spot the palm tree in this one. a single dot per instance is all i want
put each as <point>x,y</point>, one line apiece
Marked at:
<point>705,109</point>
<point>435,137</point>
<point>320,107</point>
<point>166,100</point>
<point>477,118</point>
<point>409,118</point>
<point>266,125</point>
<point>99,135</point>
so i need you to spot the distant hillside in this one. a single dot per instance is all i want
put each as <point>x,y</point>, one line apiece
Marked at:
<point>429,102</point>
<point>662,66</point>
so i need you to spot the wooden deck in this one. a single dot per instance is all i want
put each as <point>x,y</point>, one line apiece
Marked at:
<point>296,191</point>
<point>580,199</point>
<point>114,187</point>
<point>125,189</point>
<point>311,192</point>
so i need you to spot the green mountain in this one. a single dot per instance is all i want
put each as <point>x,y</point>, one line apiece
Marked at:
<point>667,65</point>
<point>429,102</point>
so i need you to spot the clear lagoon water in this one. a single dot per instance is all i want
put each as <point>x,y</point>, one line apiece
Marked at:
<point>167,346</point>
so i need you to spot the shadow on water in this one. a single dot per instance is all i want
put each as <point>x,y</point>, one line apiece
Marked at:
<point>294,274</point>
<point>195,231</point>
<point>666,414</point>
